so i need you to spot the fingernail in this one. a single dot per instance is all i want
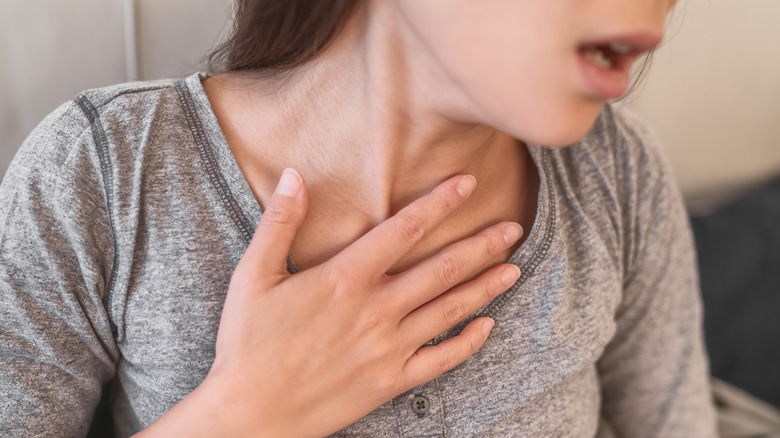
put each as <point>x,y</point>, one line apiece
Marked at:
<point>487,326</point>
<point>289,183</point>
<point>510,274</point>
<point>512,233</point>
<point>466,185</point>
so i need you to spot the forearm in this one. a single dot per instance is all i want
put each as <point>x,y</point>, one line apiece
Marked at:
<point>213,410</point>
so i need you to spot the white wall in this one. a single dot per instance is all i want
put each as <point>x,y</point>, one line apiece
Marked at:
<point>53,49</point>
<point>173,35</point>
<point>714,96</point>
<point>713,91</point>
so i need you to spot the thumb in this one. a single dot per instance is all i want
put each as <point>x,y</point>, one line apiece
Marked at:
<point>268,250</point>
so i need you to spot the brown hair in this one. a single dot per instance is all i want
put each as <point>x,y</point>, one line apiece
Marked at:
<point>279,35</point>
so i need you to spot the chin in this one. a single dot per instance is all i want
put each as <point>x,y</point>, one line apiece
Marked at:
<point>565,137</point>
<point>555,131</point>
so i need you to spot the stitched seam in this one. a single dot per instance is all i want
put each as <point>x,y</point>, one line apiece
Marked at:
<point>210,162</point>
<point>99,135</point>
<point>397,418</point>
<point>540,254</point>
<point>445,431</point>
<point>130,91</point>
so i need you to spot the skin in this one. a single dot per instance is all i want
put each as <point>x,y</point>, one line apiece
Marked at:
<point>414,92</point>
<point>408,98</point>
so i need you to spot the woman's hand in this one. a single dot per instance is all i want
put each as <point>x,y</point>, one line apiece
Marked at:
<point>310,353</point>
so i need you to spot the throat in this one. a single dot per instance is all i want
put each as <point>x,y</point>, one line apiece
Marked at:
<point>508,193</point>
<point>359,174</point>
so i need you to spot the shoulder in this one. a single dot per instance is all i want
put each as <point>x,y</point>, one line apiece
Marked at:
<point>636,154</point>
<point>131,95</point>
<point>621,124</point>
<point>622,143</point>
<point>79,144</point>
<point>631,140</point>
<point>618,182</point>
<point>621,158</point>
<point>70,126</point>
<point>126,112</point>
<point>131,110</point>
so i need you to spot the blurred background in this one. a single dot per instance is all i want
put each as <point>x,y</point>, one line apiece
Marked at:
<point>713,93</point>
<point>50,50</point>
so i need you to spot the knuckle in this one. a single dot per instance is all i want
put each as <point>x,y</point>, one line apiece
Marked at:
<point>489,243</point>
<point>339,282</point>
<point>493,244</point>
<point>448,201</point>
<point>334,275</point>
<point>490,287</point>
<point>450,270</point>
<point>473,344</point>
<point>447,359</point>
<point>411,227</point>
<point>279,214</point>
<point>348,289</point>
<point>454,309</point>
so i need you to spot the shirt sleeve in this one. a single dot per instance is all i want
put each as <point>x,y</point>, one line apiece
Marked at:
<point>56,252</point>
<point>654,372</point>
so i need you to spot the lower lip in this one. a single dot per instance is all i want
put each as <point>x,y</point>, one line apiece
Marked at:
<point>605,83</point>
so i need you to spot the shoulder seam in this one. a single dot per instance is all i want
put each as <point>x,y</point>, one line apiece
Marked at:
<point>101,141</point>
<point>123,93</point>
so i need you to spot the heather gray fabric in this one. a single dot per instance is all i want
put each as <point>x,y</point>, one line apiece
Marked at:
<point>124,214</point>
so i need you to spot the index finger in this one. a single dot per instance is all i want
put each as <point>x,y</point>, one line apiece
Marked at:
<point>383,246</point>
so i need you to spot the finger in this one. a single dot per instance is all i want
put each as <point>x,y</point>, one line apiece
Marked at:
<point>428,279</point>
<point>430,362</point>
<point>384,245</point>
<point>440,314</point>
<point>268,250</point>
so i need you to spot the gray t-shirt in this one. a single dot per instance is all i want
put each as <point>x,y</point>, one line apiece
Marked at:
<point>124,214</point>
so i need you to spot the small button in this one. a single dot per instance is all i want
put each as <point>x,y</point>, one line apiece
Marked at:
<point>421,404</point>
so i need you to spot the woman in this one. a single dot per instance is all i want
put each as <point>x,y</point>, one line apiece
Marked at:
<point>128,215</point>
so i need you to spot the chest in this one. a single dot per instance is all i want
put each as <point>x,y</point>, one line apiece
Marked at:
<point>329,228</point>
<point>536,372</point>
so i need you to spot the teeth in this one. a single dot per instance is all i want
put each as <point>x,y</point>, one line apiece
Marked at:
<point>598,57</point>
<point>621,48</point>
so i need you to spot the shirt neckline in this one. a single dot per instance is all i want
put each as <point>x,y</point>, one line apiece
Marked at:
<point>246,208</point>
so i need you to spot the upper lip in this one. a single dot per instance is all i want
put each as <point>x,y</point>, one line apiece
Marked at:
<point>640,42</point>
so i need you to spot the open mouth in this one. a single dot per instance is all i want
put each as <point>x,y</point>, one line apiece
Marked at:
<point>605,63</point>
<point>609,56</point>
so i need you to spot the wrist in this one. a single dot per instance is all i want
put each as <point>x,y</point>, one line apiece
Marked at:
<point>215,408</point>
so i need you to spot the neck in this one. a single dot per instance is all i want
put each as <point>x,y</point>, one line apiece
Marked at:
<point>370,115</point>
